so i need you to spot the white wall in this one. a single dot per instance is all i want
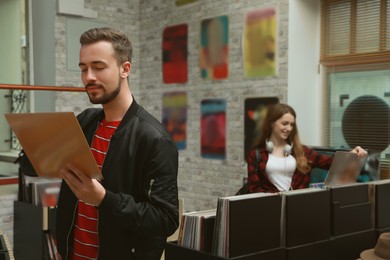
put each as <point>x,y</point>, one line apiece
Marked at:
<point>304,80</point>
<point>10,69</point>
<point>10,61</point>
<point>10,72</point>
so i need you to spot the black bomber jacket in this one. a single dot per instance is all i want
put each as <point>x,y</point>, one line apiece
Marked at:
<point>140,208</point>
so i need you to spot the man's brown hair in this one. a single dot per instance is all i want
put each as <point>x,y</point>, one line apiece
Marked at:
<point>120,42</point>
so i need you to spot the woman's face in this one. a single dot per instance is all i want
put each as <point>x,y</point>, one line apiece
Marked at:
<point>281,128</point>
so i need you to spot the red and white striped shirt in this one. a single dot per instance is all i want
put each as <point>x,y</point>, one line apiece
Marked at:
<point>86,240</point>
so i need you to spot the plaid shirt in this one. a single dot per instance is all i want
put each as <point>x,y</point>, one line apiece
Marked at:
<point>259,182</point>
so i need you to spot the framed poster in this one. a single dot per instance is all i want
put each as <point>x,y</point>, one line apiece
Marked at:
<point>214,47</point>
<point>259,43</point>
<point>174,53</point>
<point>255,112</point>
<point>174,117</point>
<point>213,128</point>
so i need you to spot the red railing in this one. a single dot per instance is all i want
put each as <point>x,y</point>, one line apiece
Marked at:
<point>47,88</point>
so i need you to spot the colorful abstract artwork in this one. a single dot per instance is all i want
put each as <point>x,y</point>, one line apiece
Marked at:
<point>255,112</point>
<point>214,54</point>
<point>184,2</point>
<point>174,117</point>
<point>213,128</point>
<point>174,47</point>
<point>259,43</point>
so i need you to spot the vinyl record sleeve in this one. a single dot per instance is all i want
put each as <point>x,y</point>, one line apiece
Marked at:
<point>345,169</point>
<point>51,140</point>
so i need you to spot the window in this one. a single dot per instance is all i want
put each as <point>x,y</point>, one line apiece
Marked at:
<point>355,52</point>
<point>355,31</point>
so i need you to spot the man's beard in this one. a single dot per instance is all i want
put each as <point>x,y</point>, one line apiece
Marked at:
<point>107,97</point>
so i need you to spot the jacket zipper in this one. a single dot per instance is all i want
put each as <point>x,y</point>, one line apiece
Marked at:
<point>108,148</point>
<point>104,160</point>
<point>150,189</point>
<point>74,212</point>
<point>98,215</point>
<point>70,230</point>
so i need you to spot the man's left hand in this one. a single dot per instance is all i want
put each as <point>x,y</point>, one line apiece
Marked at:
<point>86,189</point>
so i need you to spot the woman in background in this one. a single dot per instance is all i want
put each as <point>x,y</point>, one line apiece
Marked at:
<point>280,162</point>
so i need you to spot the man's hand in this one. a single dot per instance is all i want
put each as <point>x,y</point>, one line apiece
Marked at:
<point>86,189</point>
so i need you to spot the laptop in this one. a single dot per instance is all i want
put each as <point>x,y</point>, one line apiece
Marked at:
<point>345,169</point>
<point>51,140</point>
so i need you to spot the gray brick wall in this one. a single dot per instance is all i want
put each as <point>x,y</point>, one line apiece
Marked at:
<point>201,180</point>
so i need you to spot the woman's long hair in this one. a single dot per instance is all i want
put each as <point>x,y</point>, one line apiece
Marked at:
<point>275,112</point>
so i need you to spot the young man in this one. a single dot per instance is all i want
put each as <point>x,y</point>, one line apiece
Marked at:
<point>131,212</point>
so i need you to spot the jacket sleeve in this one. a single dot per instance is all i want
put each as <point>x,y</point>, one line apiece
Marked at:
<point>253,176</point>
<point>157,212</point>
<point>257,178</point>
<point>317,160</point>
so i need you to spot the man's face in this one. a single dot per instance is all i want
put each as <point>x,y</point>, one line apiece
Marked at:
<point>100,72</point>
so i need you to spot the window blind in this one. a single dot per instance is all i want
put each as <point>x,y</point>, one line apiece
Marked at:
<point>355,32</point>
